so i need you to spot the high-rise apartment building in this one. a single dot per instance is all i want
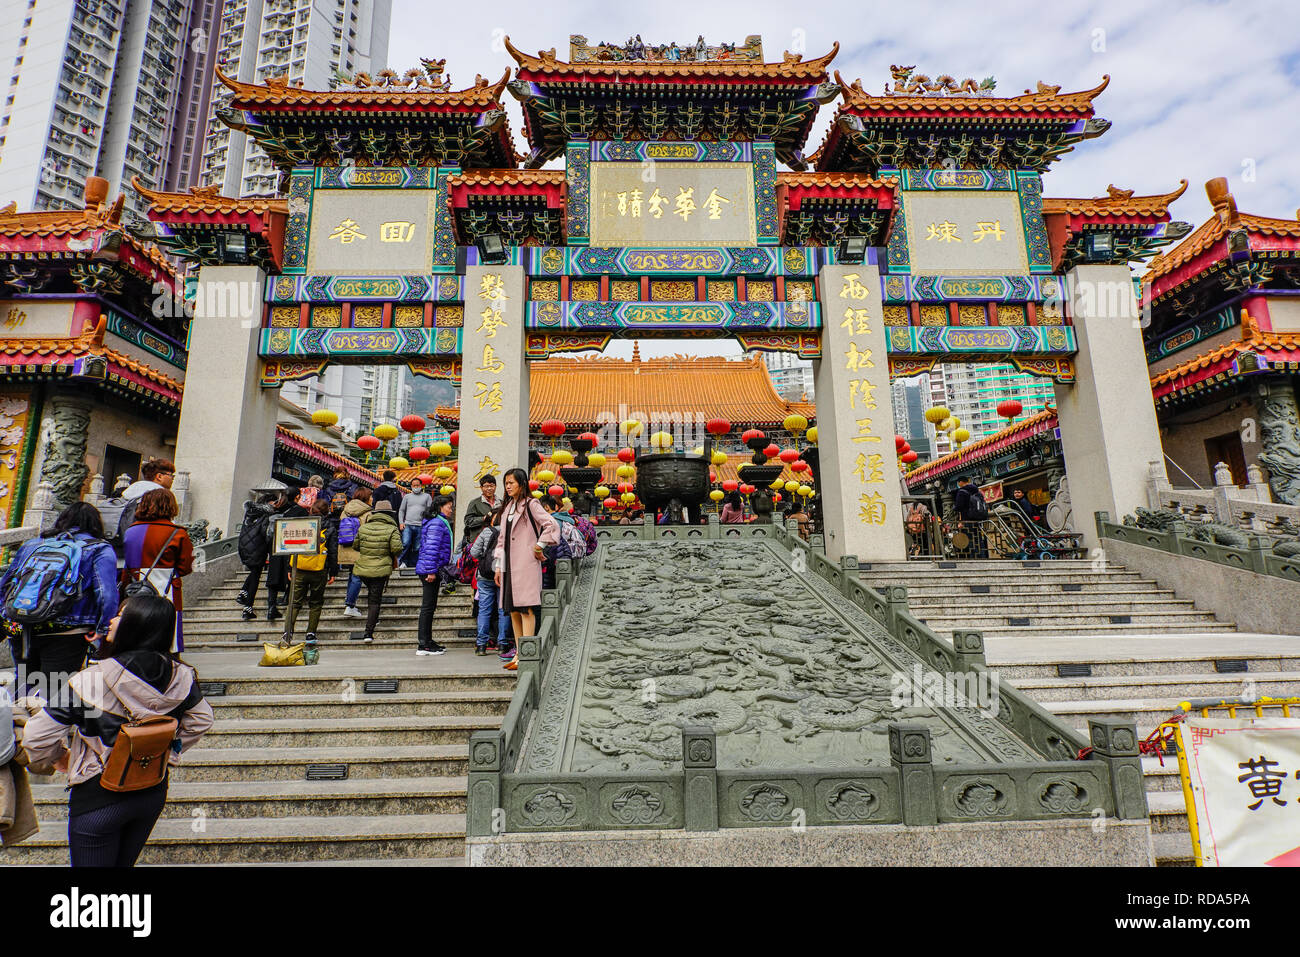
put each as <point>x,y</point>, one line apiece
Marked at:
<point>361,396</point>
<point>312,42</point>
<point>101,87</point>
<point>972,393</point>
<point>792,377</point>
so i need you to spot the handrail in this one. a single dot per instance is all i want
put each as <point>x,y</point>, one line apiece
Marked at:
<point>1180,468</point>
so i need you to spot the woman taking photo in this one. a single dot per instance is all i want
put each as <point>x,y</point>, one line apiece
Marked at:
<point>58,647</point>
<point>526,529</point>
<point>159,548</point>
<point>135,678</point>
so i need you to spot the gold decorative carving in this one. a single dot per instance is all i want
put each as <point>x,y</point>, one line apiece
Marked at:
<point>934,314</point>
<point>585,290</point>
<point>284,317</point>
<point>1011,314</point>
<point>896,316</point>
<point>545,290</point>
<point>326,317</point>
<point>449,317</point>
<point>800,290</point>
<point>721,290</point>
<point>761,291</point>
<point>971,314</point>
<point>367,317</point>
<point>672,290</point>
<point>408,317</point>
<point>625,290</point>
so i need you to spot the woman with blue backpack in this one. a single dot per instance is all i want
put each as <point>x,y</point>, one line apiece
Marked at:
<point>60,594</point>
<point>435,552</point>
<point>354,513</point>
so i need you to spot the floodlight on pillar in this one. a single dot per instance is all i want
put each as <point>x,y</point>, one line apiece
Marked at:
<point>1100,246</point>
<point>232,247</point>
<point>492,249</point>
<point>853,250</point>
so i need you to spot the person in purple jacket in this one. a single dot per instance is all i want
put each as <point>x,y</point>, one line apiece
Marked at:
<point>435,552</point>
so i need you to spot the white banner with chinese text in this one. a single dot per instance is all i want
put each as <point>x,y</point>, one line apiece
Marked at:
<point>1244,780</point>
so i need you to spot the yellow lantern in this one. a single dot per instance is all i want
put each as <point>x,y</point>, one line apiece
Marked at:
<point>698,450</point>
<point>628,498</point>
<point>955,421</point>
<point>937,414</point>
<point>448,490</point>
<point>777,483</point>
<point>803,491</point>
<point>795,423</point>
<point>717,495</point>
<point>961,435</point>
<point>947,425</point>
<point>562,457</point>
<point>625,471</point>
<point>325,417</point>
<point>791,486</point>
<point>595,460</point>
<point>812,435</point>
<point>386,432</point>
<point>397,462</point>
<point>545,475</point>
<point>719,458</point>
<point>661,441</point>
<point>440,450</point>
<point>566,501</point>
<point>631,427</point>
<point>602,491</point>
<point>443,472</point>
<point>538,493</point>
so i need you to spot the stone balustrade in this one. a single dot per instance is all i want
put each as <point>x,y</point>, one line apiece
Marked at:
<point>1249,507</point>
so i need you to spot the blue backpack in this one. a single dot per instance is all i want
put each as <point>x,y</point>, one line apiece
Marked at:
<point>47,584</point>
<point>348,527</point>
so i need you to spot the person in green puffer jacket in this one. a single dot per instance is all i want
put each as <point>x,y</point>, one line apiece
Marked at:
<point>379,542</point>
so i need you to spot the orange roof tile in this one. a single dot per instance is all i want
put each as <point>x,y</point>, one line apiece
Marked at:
<point>507,177</point>
<point>834,180</point>
<point>1045,99</point>
<point>278,92</point>
<point>1225,218</point>
<point>582,391</point>
<point>1024,425</point>
<point>206,199</point>
<point>794,67</point>
<point>1116,202</point>
<point>328,455</point>
<point>1252,338</point>
<point>90,342</point>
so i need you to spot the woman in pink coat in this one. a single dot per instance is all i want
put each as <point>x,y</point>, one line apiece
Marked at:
<point>526,528</point>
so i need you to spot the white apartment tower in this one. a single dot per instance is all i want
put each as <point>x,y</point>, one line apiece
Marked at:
<point>792,377</point>
<point>312,42</point>
<point>972,393</point>
<point>97,87</point>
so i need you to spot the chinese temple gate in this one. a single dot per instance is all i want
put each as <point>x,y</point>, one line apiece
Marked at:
<point>916,233</point>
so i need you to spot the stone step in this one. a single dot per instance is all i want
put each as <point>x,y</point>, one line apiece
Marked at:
<point>1168,812</point>
<point>294,681</point>
<point>1276,684</point>
<point>281,840</point>
<point>1051,603</point>
<point>347,732</point>
<point>1160,778</point>
<point>404,586</point>
<point>1021,657</point>
<point>942,592</point>
<point>418,704</point>
<point>1024,577</point>
<point>1136,628</point>
<point>1146,713</point>
<point>209,800</point>
<point>230,614</point>
<point>386,638</point>
<point>991,564</point>
<point>215,764</point>
<point>1173,849</point>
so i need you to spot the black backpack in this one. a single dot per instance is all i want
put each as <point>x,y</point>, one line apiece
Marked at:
<point>255,537</point>
<point>124,521</point>
<point>976,508</point>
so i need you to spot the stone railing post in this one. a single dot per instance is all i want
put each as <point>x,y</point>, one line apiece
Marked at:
<point>1258,484</point>
<point>44,509</point>
<point>184,500</point>
<point>1115,742</point>
<point>486,753</point>
<point>909,751</point>
<point>1157,484</point>
<point>896,599</point>
<point>700,778</point>
<point>969,646</point>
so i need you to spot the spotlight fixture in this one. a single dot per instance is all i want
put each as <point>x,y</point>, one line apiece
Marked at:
<point>853,250</point>
<point>492,249</point>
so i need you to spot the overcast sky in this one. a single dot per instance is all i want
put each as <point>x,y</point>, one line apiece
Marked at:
<point>1198,89</point>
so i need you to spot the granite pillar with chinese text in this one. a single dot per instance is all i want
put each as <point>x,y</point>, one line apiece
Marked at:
<point>860,490</point>
<point>493,382</point>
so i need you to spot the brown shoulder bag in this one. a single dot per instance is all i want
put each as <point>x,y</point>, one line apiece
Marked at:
<point>138,758</point>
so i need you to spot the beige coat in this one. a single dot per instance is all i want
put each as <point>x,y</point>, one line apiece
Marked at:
<point>522,578</point>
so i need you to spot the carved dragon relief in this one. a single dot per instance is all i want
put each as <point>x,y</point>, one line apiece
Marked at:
<point>1279,426</point>
<point>63,459</point>
<point>907,83</point>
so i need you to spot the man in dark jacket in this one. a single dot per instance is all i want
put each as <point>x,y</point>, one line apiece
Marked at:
<point>255,541</point>
<point>969,502</point>
<point>340,485</point>
<point>387,491</point>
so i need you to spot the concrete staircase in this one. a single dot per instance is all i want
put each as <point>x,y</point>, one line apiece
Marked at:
<point>1101,642</point>
<point>1047,598</point>
<point>257,787</point>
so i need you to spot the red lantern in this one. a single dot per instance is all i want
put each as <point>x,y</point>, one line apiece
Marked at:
<point>713,476</point>
<point>899,442</point>
<point>776,496</point>
<point>552,428</point>
<point>556,490</point>
<point>591,437</point>
<point>412,423</point>
<point>798,466</point>
<point>717,426</point>
<point>730,485</point>
<point>908,457</point>
<point>368,443</point>
<point>747,490</point>
<point>534,485</point>
<point>905,449</point>
<point>624,487</point>
<point>425,479</point>
<point>626,456</point>
<point>418,453</point>
<point>750,434</point>
<point>788,455</point>
<point>454,439</point>
<point>772,450</point>
<point>1009,409</point>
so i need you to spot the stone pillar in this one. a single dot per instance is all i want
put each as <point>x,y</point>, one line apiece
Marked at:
<point>493,382</point>
<point>64,429</point>
<point>911,754</point>
<point>1109,434</point>
<point>861,503</point>
<point>226,438</point>
<point>1115,742</point>
<point>1279,432</point>
<point>700,778</point>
